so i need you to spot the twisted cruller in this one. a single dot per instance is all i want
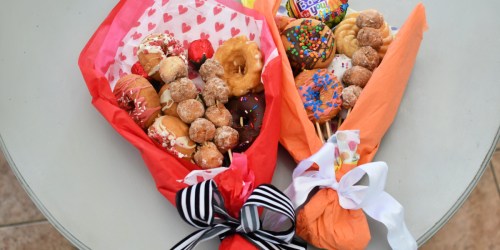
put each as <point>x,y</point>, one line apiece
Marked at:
<point>346,36</point>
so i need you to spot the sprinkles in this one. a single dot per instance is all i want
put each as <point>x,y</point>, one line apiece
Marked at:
<point>320,93</point>
<point>309,44</point>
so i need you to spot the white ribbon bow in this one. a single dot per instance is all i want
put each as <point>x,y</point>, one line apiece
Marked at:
<point>372,198</point>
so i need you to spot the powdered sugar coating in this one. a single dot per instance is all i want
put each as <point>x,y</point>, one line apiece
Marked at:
<point>211,68</point>
<point>189,110</point>
<point>215,90</point>
<point>219,115</point>
<point>226,138</point>
<point>201,130</point>
<point>366,57</point>
<point>350,95</point>
<point>183,89</point>
<point>208,156</point>
<point>172,68</point>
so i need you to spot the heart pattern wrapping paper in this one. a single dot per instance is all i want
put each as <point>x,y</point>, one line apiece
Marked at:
<point>210,20</point>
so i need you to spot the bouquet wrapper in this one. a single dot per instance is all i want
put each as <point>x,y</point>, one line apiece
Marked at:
<point>321,221</point>
<point>111,52</point>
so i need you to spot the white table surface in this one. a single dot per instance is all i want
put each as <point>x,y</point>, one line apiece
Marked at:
<point>93,186</point>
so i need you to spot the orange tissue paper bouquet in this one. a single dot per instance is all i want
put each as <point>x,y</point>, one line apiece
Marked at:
<point>330,218</point>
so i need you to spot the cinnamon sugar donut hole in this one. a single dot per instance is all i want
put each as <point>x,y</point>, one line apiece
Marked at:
<point>215,90</point>
<point>366,57</point>
<point>370,37</point>
<point>219,115</point>
<point>226,138</point>
<point>190,110</point>
<point>201,130</point>
<point>172,68</point>
<point>211,68</point>
<point>208,156</point>
<point>357,75</point>
<point>371,19</point>
<point>350,95</point>
<point>183,89</point>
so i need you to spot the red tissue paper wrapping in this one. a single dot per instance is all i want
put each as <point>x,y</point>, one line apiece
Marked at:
<point>111,52</point>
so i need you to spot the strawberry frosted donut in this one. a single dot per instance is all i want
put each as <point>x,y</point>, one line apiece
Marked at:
<point>320,91</point>
<point>137,96</point>
<point>156,47</point>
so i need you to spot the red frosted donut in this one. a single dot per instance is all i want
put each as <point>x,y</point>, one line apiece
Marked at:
<point>138,97</point>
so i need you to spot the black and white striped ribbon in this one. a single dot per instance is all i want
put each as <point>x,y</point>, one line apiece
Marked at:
<point>202,206</point>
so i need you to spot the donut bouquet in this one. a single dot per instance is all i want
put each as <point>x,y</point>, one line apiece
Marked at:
<point>344,75</point>
<point>195,87</point>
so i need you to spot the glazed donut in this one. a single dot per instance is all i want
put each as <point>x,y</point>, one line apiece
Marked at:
<point>346,36</point>
<point>248,114</point>
<point>137,96</point>
<point>320,91</point>
<point>242,63</point>
<point>168,106</point>
<point>308,43</point>
<point>172,134</point>
<point>156,47</point>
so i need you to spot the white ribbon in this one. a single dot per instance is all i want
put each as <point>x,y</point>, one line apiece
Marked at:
<point>372,198</point>
<point>197,176</point>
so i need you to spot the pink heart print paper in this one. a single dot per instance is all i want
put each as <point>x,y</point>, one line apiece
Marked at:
<point>187,21</point>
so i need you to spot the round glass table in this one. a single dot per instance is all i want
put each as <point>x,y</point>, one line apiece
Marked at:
<point>94,188</point>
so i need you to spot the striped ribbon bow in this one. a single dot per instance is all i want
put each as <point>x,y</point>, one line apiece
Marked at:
<point>202,206</point>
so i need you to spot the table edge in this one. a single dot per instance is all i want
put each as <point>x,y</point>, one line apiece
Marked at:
<point>420,241</point>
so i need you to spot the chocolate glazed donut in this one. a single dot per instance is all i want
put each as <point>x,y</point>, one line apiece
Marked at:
<point>309,44</point>
<point>248,113</point>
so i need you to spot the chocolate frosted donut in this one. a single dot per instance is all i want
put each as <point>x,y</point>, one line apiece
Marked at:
<point>308,44</point>
<point>248,113</point>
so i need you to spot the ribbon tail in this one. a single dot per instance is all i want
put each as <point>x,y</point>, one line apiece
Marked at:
<point>190,241</point>
<point>389,212</point>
